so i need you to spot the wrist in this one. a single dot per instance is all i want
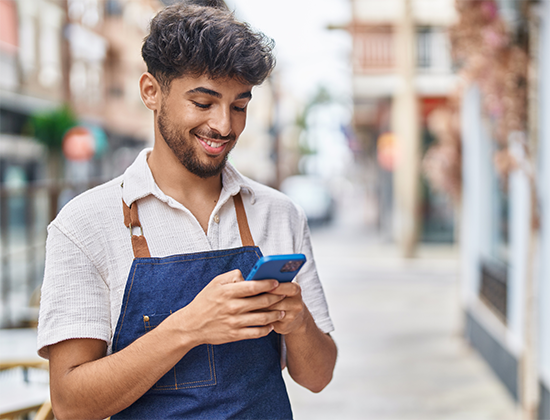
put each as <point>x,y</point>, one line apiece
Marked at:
<point>305,326</point>
<point>178,330</point>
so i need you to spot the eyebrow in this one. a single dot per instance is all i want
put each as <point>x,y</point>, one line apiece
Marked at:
<point>215,94</point>
<point>247,95</point>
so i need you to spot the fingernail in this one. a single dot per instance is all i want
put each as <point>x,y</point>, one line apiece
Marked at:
<point>282,314</point>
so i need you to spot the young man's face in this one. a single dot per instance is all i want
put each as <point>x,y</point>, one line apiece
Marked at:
<point>201,120</point>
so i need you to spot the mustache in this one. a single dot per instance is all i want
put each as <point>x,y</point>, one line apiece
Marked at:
<point>215,136</point>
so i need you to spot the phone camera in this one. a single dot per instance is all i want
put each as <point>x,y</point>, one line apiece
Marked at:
<point>291,266</point>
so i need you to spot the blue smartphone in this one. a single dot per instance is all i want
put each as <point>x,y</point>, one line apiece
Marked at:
<point>279,267</point>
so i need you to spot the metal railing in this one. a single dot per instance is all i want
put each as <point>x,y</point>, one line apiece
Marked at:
<point>374,50</point>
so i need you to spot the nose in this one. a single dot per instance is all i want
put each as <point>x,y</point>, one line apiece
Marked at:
<point>221,121</point>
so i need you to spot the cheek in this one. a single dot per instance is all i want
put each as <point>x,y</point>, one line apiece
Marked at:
<point>239,123</point>
<point>187,119</point>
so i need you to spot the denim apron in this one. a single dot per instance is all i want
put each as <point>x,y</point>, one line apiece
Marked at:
<point>240,380</point>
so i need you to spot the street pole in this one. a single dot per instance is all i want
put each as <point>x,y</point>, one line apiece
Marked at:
<point>55,159</point>
<point>405,123</point>
<point>529,362</point>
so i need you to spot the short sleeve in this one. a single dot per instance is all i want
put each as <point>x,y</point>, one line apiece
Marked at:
<point>74,301</point>
<point>308,279</point>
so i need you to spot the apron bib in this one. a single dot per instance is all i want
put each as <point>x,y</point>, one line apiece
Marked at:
<point>239,380</point>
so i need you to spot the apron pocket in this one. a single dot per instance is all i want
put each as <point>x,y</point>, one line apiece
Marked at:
<point>196,369</point>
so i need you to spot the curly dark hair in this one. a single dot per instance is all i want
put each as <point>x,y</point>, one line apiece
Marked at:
<point>187,39</point>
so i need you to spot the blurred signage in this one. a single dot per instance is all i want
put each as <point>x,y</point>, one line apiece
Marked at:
<point>85,142</point>
<point>386,148</point>
<point>78,144</point>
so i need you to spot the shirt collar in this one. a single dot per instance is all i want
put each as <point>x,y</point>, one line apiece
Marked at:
<point>138,181</point>
<point>233,182</point>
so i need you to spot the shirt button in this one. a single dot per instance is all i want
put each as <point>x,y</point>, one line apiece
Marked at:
<point>217,218</point>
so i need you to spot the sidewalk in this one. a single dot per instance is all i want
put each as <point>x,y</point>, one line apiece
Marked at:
<point>398,330</point>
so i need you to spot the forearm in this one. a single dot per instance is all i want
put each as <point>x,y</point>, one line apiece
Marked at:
<point>311,355</point>
<point>87,384</point>
<point>102,387</point>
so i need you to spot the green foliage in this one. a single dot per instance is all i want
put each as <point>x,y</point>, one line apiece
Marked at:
<point>49,127</point>
<point>321,96</point>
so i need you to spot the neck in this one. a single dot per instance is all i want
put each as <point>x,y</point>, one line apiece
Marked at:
<point>176,181</point>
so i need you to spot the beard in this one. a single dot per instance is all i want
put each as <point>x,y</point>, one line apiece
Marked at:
<point>183,149</point>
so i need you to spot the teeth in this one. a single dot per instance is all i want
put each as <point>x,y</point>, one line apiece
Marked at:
<point>212,143</point>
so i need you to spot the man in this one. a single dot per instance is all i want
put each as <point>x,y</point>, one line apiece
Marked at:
<point>144,311</point>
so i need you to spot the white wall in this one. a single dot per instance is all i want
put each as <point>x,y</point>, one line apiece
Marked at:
<point>428,12</point>
<point>519,228</point>
<point>472,172</point>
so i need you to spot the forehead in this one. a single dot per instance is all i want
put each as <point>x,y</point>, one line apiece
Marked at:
<point>226,87</point>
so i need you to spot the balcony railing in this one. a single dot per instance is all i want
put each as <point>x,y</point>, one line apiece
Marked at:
<point>374,50</point>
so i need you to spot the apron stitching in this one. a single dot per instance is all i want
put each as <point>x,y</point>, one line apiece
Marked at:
<point>211,365</point>
<point>214,365</point>
<point>168,388</point>
<point>189,382</point>
<point>195,259</point>
<point>210,362</point>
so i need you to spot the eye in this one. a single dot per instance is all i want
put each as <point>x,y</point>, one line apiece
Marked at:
<point>239,109</point>
<point>201,106</point>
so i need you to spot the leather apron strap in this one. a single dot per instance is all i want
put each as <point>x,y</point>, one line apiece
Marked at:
<point>242,220</point>
<point>139,243</point>
<point>131,220</point>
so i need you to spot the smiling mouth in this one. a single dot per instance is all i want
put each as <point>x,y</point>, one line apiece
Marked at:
<point>213,147</point>
<point>212,143</point>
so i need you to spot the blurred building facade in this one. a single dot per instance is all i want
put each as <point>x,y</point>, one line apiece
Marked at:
<point>506,225</point>
<point>81,53</point>
<point>401,72</point>
<point>32,74</point>
<point>78,52</point>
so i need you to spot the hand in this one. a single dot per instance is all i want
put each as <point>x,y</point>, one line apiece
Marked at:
<point>294,308</point>
<point>230,309</point>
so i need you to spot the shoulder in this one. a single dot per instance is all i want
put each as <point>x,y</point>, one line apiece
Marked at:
<point>263,196</point>
<point>260,198</point>
<point>95,207</point>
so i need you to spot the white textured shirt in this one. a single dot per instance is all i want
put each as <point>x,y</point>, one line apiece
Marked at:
<point>89,251</point>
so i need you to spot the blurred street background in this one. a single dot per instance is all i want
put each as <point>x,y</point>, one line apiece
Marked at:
<point>415,135</point>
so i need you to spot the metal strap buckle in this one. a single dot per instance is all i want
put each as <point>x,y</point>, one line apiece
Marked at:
<point>131,233</point>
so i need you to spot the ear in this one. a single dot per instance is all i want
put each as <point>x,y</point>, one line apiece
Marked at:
<point>150,91</point>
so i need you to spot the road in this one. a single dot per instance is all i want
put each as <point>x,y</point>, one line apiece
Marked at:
<point>398,330</point>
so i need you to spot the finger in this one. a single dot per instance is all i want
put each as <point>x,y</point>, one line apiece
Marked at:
<point>257,319</point>
<point>287,305</point>
<point>287,289</point>
<point>263,301</point>
<point>238,306</point>
<point>255,332</point>
<point>252,287</point>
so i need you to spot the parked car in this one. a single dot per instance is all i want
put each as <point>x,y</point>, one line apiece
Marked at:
<point>312,194</point>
